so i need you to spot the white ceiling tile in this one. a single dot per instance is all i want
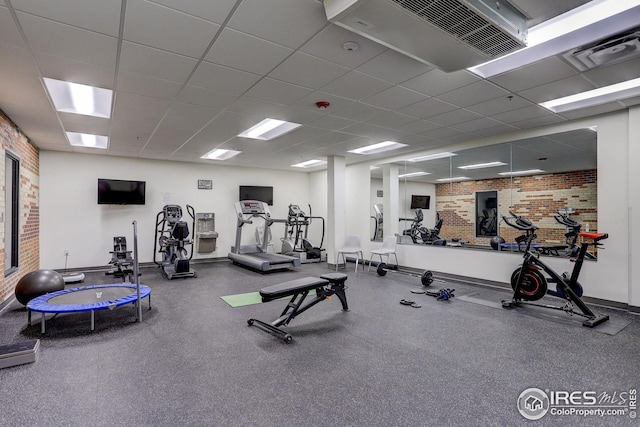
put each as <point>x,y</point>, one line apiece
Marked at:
<point>147,86</point>
<point>129,104</point>
<point>20,62</point>
<point>565,87</point>
<point>497,130</point>
<point>169,138</point>
<point>474,93</point>
<point>499,105</point>
<point>217,77</point>
<point>538,121</point>
<point>444,132</point>
<point>278,92</point>
<point>94,15</point>
<point>69,70</point>
<point>57,39</point>
<point>418,126</point>
<point>328,44</point>
<point>359,112</point>
<point>477,124</point>
<point>246,52</point>
<point>393,67</point>
<point>22,89</point>
<point>391,119</point>
<point>162,28</point>
<point>132,128</point>
<point>331,123</point>
<point>9,33</point>
<point>308,71</point>
<point>454,117</point>
<point>394,98</point>
<point>205,97</point>
<point>520,114</point>
<point>427,108</point>
<point>620,72</point>
<point>215,11</point>
<point>436,82</point>
<point>155,63</point>
<point>355,85</point>
<point>181,111</point>
<point>289,23</point>
<point>84,124</point>
<point>541,72</point>
<point>375,133</point>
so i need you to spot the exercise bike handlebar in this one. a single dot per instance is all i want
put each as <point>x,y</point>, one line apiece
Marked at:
<point>566,221</point>
<point>520,222</point>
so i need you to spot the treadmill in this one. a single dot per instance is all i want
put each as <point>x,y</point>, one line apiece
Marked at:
<point>254,256</point>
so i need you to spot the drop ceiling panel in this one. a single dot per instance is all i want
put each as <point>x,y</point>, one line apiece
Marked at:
<point>622,71</point>
<point>428,108</point>
<point>181,111</point>
<point>355,85</point>
<point>94,15</point>
<point>58,39</point>
<point>331,123</point>
<point>436,82</point>
<point>375,133</point>
<point>520,114</point>
<point>9,34</point>
<point>205,97</point>
<point>280,21</point>
<point>147,86</point>
<point>79,123</point>
<point>308,71</point>
<point>214,11</point>
<point>477,124</point>
<point>155,63</point>
<point>329,45</point>
<point>418,126</point>
<point>500,105</point>
<point>259,110</point>
<point>159,27</point>
<point>246,52</point>
<point>394,98</point>
<point>20,60</point>
<point>140,107</point>
<point>66,69</point>
<point>278,92</point>
<point>460,115</point>
<point>541,72</point>
<point>393,67</point>
<point>565,87</point>
<point>538,121</point>
<point>474,93</point>
<point>309,102</point>
<point>169,138</point>
<point>22,89</point>
<point>225,79</point>
<point>360,112</point>
<point>391,119</point>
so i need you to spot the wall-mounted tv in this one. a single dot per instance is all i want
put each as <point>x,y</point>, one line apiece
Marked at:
<point>420,202</point>
<point>252,192</point>
<point>120,192</point>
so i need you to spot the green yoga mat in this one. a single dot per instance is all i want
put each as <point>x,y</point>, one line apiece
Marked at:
<point>250,298</point>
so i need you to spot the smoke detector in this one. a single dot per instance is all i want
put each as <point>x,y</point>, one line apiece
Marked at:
<point>323,105</point>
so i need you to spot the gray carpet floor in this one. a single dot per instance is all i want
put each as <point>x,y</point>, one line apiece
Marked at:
<point>194,361</point>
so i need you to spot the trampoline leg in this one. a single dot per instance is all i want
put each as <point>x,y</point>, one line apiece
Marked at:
<point>29,317</point>
<point>42,323</point>
<point>92,321</point>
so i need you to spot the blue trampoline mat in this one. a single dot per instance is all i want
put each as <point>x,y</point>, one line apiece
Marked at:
<point>88,298</point>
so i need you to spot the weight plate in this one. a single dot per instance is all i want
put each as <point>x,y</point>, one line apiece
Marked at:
<point>381,270</point>
<point>427,278</point>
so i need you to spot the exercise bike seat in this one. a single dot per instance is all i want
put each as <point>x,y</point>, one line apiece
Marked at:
<point>596,237</point>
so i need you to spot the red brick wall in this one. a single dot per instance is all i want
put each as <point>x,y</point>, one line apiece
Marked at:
<point>536,197</point>
<point>18,144</point>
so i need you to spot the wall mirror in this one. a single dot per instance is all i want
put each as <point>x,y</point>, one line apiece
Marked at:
<point>471,189</point>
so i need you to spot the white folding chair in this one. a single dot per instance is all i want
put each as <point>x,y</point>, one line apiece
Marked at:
<point>388,248</point>
<point>351,246</point>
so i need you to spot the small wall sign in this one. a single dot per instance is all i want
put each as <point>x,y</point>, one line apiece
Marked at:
<point>205,184</point>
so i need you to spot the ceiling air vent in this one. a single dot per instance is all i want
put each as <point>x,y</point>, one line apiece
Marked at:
<point>450,34</point>
<point>606,52</point>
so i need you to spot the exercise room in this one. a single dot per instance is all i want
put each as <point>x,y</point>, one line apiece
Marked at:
<point>320,213</point>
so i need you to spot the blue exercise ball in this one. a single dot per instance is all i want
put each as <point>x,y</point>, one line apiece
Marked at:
<point>37,283</point>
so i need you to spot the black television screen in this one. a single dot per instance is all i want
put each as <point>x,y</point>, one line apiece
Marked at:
<point>252,192</point>
<point>420,202</point>
<point>120,192</point>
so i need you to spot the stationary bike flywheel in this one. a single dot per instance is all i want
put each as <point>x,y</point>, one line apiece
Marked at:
<point>534,284</point>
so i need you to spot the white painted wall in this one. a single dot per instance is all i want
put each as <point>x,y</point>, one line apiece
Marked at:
<point>70,217</point>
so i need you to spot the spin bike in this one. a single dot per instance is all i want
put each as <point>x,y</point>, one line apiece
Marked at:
<point>530,284</point>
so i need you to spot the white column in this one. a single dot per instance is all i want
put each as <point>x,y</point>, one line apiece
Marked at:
<point>336,206</point>
<point>390,199</point>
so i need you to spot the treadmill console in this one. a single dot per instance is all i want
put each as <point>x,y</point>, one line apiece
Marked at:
<point>250,207</point>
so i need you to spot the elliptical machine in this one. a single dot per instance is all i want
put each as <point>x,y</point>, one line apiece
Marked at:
<point>121,260</point>
<point>296,242</point>
<point>530,284</point>
<point>424,235</point>
<point>171,240</point>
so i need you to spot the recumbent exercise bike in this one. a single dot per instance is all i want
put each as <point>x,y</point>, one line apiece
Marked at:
<point>530,284</point>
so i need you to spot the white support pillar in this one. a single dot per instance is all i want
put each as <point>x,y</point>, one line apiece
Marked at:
<point>390,199</point>
<point>336,206</point>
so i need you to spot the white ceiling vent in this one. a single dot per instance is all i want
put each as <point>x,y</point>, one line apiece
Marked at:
<point>605,52</point>
<point>450,34</point>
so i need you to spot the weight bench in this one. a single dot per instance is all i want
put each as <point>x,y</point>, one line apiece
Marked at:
<point>325,286</point>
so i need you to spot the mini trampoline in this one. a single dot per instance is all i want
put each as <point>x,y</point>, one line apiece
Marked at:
<point>87,298</point>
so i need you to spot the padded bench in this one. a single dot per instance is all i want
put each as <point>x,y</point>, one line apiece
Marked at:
<point>324,286</point>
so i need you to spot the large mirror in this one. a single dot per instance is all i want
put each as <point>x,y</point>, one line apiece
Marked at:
<point>459,198</point>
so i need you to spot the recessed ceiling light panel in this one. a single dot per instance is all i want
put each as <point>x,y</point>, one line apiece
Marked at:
<point>87,140</point>
<point>309,163</point>
<point>482,165</point>
<point>378,148</point>
<point>269,129</point>
<point>220,154</point>
<point>79,99</point>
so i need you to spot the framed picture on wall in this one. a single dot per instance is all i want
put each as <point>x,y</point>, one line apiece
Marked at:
<point>486,213</point>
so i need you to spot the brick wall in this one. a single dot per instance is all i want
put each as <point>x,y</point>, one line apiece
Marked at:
<point>18,144</point>
<point>536,197</point>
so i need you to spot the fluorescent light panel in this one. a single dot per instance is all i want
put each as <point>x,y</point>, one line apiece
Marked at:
<point>482,165</point>
<point>309,163</point>
<point>593,97</point>
<point>432,157</point>
<point>87,140</point>
<point>220,154</point>
<point>79,99</point>
<point>525,172</point>
<point>592,21</point>
<point>378,148</point>
<point>455,178</point>
<point>406,175</point>
<point>269,129</point>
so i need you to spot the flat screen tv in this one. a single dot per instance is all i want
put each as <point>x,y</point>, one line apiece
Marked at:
<point>120,192</point>
<point>420,202</point>
<point>252,192</point>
